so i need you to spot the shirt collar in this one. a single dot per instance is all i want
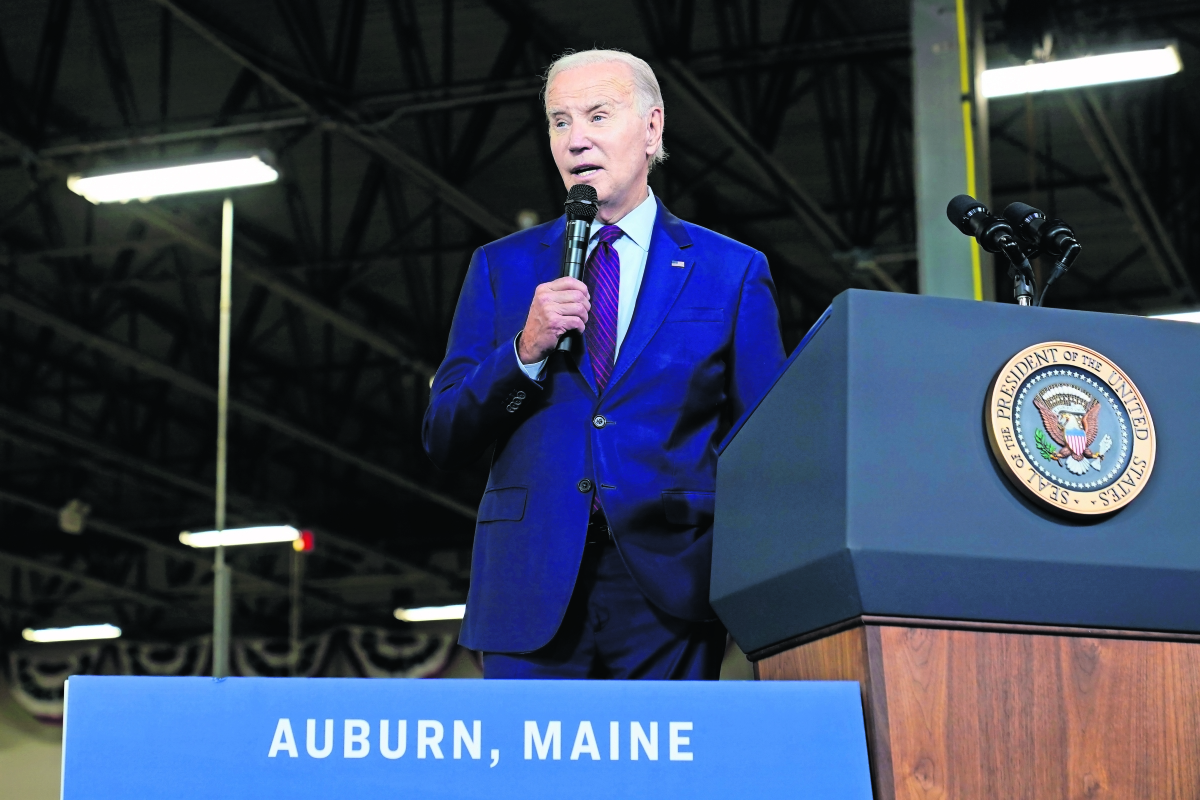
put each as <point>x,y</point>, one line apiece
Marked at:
<point>638,224</point>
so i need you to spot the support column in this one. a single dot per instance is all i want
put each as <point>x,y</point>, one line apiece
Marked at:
<point>949,144</point>
<point>222,577</point>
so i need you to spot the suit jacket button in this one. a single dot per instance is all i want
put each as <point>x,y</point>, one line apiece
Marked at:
<point>599,421</point>
<point>584,486</point>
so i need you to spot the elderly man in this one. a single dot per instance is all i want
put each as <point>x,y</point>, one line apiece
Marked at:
<point>594,539</point>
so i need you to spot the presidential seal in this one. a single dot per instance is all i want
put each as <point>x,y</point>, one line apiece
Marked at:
<point>1070,429</point>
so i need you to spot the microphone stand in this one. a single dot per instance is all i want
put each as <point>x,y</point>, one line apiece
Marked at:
<point>1024,284</point>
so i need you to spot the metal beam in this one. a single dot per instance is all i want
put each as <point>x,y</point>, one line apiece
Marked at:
<point>125,460</point>
<point>112,57</point>
<point>881,45</point>
<point>340,548</point>
<point>90,250</point>
<point>331,543</point>
<point>349,125</point>
<point>75,460</point>
<point>151,139</point>
<point>1127,185</point>
<point>265,585</point>
<point>94,583</point>
<point>827,232</point>
<point>282,288</point>
<point>149,366</point>
<point>49,59</point>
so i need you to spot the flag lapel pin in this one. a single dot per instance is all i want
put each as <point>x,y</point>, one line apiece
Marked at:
<point>677,264</point>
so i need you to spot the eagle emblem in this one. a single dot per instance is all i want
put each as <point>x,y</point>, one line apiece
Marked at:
<point>1071,418</point>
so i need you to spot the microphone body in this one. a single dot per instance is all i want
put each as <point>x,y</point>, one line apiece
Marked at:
<point>575,248</point>
<point>973,218</point>
<point>1050,236</point>
<point>581,210</point>
<point>995,236</point>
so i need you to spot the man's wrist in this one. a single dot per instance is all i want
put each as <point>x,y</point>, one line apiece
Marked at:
<point>527,359</point>
<point>533,371</point>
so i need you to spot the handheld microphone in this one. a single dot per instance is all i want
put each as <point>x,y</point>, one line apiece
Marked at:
<point>995,236</point>
<point>581,210</point>
<point>1050,236</point>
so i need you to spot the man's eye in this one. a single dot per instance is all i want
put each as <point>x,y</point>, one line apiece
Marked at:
<point>597,118</point>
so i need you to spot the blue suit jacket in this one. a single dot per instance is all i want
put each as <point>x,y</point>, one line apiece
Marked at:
<point>703,345</point>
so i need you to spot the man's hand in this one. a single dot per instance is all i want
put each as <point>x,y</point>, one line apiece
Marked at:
<point>558,306</point>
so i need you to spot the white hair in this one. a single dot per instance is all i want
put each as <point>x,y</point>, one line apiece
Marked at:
<point>646,93</point>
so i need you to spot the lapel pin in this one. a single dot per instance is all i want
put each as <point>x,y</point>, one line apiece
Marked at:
<point>677,264</point>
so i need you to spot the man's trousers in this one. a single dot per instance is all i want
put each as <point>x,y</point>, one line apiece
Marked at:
<point>610,630</point>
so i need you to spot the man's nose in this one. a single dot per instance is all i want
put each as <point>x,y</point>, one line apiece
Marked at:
<point>579,142</point>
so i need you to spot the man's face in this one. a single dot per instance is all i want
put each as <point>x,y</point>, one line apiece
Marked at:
<point>596,135</point>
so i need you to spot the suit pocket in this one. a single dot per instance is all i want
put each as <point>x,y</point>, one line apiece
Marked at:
<point>503,504</point>
<point>689,508</point>
<point>697,315</point>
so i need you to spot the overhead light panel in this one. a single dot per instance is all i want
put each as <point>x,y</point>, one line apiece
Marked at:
<point>232,537</point>
<point>1073,73</point>
<point>430,613</point>
<point>1183,316</point>
<point>161,181</point>
<point>73,634</point>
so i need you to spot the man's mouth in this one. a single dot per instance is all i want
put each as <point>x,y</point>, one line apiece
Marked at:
<point>583,170</point>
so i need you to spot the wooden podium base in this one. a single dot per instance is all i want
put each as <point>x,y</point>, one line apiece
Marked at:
<point>967,711</point>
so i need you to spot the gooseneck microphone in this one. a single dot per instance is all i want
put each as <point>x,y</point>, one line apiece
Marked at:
<point>995,236</point>
<point>1050,236</point>
<point>581,210</point>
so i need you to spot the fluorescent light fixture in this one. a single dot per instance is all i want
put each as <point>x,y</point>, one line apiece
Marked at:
<point>159,181</point>
<point>72,634</point>
<point>232,537</point>
<point>430,613</point>
<point>1072,73</point>
<point>1184,316</point>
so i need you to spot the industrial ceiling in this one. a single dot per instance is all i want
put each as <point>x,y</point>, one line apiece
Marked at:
<point>409,132</point>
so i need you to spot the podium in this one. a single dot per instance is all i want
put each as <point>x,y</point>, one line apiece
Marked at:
<point>865,530</point>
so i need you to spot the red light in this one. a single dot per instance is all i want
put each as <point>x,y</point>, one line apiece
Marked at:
<point>305,543</point>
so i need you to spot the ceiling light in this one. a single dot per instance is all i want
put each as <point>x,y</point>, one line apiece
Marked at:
<point>1184,316</point>
<point>231,537</point>
<point>158,181</point>
<point>1073,73</point>
<point>72,634</point>
<point>430,613</point>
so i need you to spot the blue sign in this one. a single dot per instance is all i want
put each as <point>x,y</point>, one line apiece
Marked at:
<point>185,738</point>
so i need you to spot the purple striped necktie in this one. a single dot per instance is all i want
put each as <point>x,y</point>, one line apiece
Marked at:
<point>603,279</point>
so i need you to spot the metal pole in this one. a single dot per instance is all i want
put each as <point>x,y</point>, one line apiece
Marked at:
<point>222,585</point>
<point>297,598</point>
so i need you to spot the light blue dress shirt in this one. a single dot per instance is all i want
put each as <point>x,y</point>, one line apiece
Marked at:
<point>633,247</point>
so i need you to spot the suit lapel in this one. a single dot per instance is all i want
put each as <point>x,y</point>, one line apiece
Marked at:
<point>549,268</point>
<point>661,284</point>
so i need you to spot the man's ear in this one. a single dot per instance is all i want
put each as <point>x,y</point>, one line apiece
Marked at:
<point>654,130</point>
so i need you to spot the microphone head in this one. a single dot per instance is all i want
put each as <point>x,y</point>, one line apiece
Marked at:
<point>1021,214</point>
<point>960,210</point>
<point>581,202</point>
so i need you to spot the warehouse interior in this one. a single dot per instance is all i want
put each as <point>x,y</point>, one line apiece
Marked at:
<point>407,133</point>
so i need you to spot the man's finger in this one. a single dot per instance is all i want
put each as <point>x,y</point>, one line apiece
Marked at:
<point>579,310</point>
<point>565,284</point>
<point>571,323</point>
<point>568,297</point>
